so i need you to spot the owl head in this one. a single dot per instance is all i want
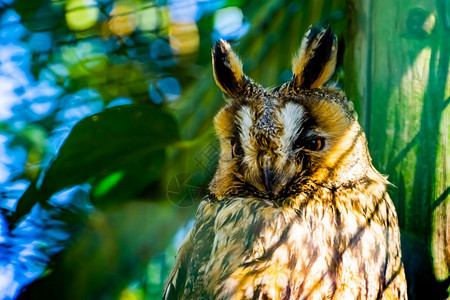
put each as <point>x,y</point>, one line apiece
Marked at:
<point>278,142</point>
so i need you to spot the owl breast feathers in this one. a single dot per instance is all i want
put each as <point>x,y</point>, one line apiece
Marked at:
<point>296,210</point>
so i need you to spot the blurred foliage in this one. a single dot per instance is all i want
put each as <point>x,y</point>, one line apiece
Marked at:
<point>103,209</point>
<point>397,61</point>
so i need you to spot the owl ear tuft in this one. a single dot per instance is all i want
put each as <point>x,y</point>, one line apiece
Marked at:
<point>315,61</point>
<point>227,69</point>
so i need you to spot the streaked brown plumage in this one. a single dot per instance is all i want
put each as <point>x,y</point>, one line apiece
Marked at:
<point>296,209</point>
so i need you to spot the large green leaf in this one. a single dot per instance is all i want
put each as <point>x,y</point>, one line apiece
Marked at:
<point>105,148</point>
<point>102,142</point>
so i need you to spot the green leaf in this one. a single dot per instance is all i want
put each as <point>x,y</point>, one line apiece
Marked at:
<point>125,140</point>
<point>102,143</point>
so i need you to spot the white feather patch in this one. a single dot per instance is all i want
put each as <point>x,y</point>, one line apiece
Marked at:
<point>245,122</point>
<point>291,117</point>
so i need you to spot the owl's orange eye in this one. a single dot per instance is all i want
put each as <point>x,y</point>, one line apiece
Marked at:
<point>316,144</point>
<point>236,148</point>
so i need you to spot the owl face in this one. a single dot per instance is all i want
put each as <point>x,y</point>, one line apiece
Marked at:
<point>276,143</point>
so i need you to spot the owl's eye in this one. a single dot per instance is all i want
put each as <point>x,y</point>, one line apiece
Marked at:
<point>315,144</point>
<point>236,148</point>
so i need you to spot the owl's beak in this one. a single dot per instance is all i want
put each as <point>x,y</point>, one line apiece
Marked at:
<point>269,177</point>
<point>268,181</point>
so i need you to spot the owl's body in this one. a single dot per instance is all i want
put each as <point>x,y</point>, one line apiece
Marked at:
<point>296,209</point>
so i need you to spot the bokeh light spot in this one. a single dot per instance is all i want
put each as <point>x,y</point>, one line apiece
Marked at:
<point>119,101</point>
<point>59,69</point>
<point>91,54</point>
<point>184,11</point>
<point>184,38</point>
<point>149,19</point>
<point>170,88</point>
<point>229,23</point>
<point>83,103</point>
<point>10,27</point>
<point>154,94</point>
<point>123,21</point>
<point>133,292</point>
<point>8,286</point>
<point>41,42</point>
<point>161,53</point>
<point>69,55</point>
<point>81,14</point>
<point>64,198</point>
<point>42,108</point>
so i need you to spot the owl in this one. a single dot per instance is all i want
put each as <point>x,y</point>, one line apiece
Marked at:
<point>296,209</point>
